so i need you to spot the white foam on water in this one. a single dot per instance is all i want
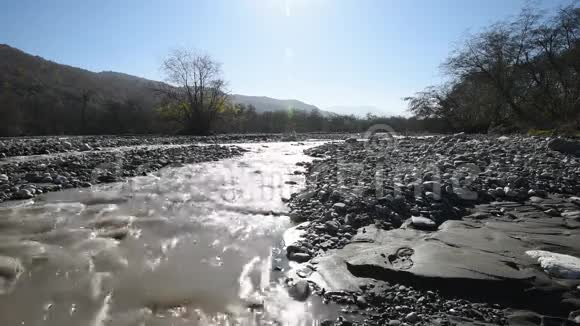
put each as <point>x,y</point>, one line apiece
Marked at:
<point>102,315</point>
<point>294,234</point>
<point>245,281</point>
<point>266,270</point>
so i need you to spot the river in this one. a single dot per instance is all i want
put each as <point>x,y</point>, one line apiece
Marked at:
<point>196,244</point>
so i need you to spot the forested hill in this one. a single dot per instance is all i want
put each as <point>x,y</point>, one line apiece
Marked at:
<point>26,74</point>
<point>38,96</point>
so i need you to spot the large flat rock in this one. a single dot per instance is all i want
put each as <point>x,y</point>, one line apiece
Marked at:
<point>480,258</point>
<point>460,250</point>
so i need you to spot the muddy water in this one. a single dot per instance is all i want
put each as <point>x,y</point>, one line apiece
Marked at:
<point>190,245</point>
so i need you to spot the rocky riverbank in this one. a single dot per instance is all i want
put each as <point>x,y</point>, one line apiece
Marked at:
<point>33,165</point>
<point>26,177</point>
<point>444,230</point>
<point>25,146</point>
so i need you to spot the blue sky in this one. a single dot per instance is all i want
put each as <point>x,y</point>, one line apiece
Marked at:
<point>323,52</point>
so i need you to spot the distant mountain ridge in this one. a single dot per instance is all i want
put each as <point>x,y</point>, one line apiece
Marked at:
<point>22,71</point>
<point>264,103</point>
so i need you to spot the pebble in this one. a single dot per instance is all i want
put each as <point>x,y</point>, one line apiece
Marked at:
<point>339,206</point>
<point>412,317</point>
<point>423,223</point>
<point>332,226</point>
<point>299,257</point>
<point>361,301</point>
<point>23,194</point>
<point>575,316</point>
<point>571,214</point>
<point>300,290</point>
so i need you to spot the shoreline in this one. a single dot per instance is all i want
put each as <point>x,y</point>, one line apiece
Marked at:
<point>24,179</point>
<point>30,166</point>
<point>443,219</point>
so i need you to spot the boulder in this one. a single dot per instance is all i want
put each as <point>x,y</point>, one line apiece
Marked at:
<point>565,146</point>
<point>479,257</point>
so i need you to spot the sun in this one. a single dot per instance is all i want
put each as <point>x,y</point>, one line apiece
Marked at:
<point>287,8</point>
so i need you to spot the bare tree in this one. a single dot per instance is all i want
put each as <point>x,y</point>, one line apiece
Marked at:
<point>196,86</point>
<point>553,63</point>
<point>522,72</point>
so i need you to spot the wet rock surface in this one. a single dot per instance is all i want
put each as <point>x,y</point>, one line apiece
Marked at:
<point>445,230</point>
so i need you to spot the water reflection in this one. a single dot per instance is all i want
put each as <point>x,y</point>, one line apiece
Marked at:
<point>190,245</point>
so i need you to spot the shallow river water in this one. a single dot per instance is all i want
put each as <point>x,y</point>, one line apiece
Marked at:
<point>189,245</point>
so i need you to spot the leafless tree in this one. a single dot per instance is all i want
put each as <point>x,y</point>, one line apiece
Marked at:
<point>196,86</point>
<point>522,72</point>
